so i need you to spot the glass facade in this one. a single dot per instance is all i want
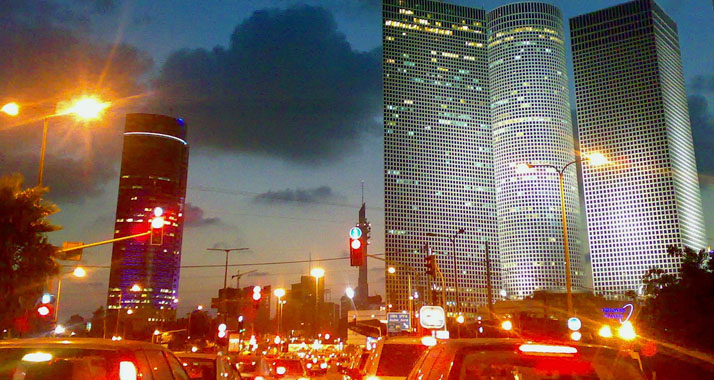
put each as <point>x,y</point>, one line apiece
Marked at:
<point>153,174</point>
<point>632,107</point>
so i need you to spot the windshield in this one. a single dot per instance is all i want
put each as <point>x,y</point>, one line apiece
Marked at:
<point>398,359</point>
<point>476,364</point>
<point>292,367</point>
<point>39,363</point>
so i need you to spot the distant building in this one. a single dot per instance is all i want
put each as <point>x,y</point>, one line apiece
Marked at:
<point>632,107</point>
<point>153,174</point>
<point>303,315</point>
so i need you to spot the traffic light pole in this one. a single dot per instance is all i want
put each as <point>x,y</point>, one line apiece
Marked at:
<point>104,242</point>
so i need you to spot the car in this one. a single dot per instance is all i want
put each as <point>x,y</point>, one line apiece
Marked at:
<point>288,369</point>
<point>253,367</point>
<point>391,358</point>
<point>502,359</point>
<point>87,359</point>
<point>208,366</point>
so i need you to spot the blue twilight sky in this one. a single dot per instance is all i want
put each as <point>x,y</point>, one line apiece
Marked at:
<point>283,103</point>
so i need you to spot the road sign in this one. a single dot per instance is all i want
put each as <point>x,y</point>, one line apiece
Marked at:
<point>397,322</point>
<point>432,317</point>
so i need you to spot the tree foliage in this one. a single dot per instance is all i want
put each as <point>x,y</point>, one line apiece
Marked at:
<point>679,309</point>
<point>27,259</point>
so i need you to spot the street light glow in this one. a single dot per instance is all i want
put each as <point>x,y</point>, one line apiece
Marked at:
<point>279,292</point>
<point>392,270</point>
<point>135,288</point>
<point>597,159</point>
<point>11,109</point>
<point>87,108</point>
<point>79,272</point>
<point>350,293</point>
<point>317,272</point>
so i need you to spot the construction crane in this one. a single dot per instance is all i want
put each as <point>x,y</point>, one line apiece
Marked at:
<point>238,275</point>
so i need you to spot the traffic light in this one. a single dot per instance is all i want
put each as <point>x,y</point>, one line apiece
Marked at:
<point>356,247</point>
<point>430,264</point>
<point>157,227</point>
<point>44,310</point>
<point>240,324</point>
<point>257,295</point>
<point>222,336</point>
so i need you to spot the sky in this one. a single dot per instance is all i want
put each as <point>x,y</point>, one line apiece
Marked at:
<point>283,105</point>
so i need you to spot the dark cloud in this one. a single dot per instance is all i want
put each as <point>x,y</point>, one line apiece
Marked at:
<point>193,217</point>
<point>288,85</point>
<point>70,180</point>
<point>700,115</point>
<point>315,195</point>
<point>52,61</point>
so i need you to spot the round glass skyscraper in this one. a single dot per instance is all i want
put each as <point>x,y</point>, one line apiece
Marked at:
<point>530,112</point>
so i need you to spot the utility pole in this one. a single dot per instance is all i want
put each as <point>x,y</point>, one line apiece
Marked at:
<point>227,250</point>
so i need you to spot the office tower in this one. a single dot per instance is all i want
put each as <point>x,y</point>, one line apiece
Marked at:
<point>531,123</point>
<point>153,174</point>
<point>437,151</point>
<point>632,106</point>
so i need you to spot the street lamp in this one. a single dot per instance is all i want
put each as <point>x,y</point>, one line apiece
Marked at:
<point>11,109</point>
<point>78,272</point>
<point>134,288</point>
<point>595,159</point>
<point>226,250</point>
<point>279,294</point>
<point>317,273</point>
<point>452,239</point>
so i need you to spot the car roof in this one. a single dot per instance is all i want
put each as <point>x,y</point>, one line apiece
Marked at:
<point>402,340</point>
<point>195,355</point>
<point>87,343</point>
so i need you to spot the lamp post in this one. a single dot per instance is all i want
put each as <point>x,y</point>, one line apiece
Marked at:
<point>317,273</point>
<point>452,239</point>
<point>410,295</point>
<point>134,288</point>
<point>226,250</point>
<point>78,272</point>
<point>279,294</point>
<point>595,159</point>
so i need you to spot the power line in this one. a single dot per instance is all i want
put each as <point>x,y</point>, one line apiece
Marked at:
<point>246,264</point>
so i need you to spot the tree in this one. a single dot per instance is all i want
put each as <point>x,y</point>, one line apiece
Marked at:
<point>679,309</point>
<point>27,259</point>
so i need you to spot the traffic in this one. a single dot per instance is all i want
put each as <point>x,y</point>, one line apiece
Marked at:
<point>494,349</point>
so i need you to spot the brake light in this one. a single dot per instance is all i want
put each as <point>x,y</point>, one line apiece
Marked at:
<point>127,370</point>
<point>259,378</point>
<point>323,365</point>
<point>507,325</point>
<point>280,370</point>
<point>309,365</point>
<point>37,357</point>
<point>547,349</point>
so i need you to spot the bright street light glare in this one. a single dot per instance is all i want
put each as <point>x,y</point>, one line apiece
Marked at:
<point>79,272</point>
<point>317,272</point>
<point>392,270</point>
<point>597,159</point>
<point>135,288</point>
<point>350,293</point>
<point>279,292</point>
<point>87,108</point>
<point>11,109</point>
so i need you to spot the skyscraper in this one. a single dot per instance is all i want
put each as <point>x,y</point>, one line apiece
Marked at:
<point>437,150</point>
<point>531,123</point>
<point>632,107</point>
<point>153,174</point>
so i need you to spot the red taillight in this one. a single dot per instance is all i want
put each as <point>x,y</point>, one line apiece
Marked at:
<point>280,370</point>
<point>127,370</point>
<point>547,349</point>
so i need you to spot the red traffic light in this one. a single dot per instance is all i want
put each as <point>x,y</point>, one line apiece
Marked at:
<point>256,296</point>
<point>357,248</point>
<point>356,244</point>
<point>44,310</point>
